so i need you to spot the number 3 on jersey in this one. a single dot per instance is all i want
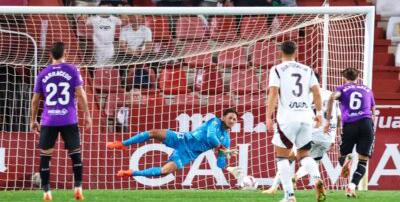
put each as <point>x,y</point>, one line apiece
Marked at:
<point>52,89</point>
<point>299,85</point>
<point>355,100</point>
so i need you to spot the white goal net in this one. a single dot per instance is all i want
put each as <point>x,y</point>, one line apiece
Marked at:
<point>167,68</point>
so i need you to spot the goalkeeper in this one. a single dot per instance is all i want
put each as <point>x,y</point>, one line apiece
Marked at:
<point>187,146</point>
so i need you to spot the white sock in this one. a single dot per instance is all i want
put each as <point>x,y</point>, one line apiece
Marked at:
<point>277,181</point>
<point>292,167</point>
<point>301,172</point>
<point>352,186</point>
<point>311,167</point>
<point>284,170</point>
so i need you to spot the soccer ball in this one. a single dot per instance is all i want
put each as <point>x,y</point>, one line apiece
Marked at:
<point>36,180</point>
<point>249,183</point>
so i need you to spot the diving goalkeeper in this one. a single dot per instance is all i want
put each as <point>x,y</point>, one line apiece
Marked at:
<point>187,146</point>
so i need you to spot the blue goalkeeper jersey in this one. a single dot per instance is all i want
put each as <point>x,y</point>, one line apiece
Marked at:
<point>208,136</point>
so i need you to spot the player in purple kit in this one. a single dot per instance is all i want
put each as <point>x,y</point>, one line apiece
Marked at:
<point>59,84</point>
<point>357,105</point>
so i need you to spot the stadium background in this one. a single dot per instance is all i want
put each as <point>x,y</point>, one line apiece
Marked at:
<point>384,168</point>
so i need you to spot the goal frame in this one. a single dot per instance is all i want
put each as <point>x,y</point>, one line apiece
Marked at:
<point>369,11</point>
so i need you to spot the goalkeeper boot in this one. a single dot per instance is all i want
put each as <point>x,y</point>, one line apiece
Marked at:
<point>78,193</point>
<point>271,190</point>
<point>116,145</point>
<point>321,191</point>
<point>347,166</point>
<point>351,192</point>
<point>47,196</point>
<point>125,173</point>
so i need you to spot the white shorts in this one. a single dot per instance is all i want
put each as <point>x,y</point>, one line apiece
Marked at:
<point>318,149</point>
<point>292,134</point>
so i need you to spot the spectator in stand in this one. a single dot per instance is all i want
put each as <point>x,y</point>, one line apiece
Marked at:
<point>104,31</point>
<point>136,38</point>
<point>290,3</point>
<point>172,3</point>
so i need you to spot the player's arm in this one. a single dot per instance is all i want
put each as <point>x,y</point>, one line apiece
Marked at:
<point>82,101</point>
<point>334,96</point>
<point>318,104</point>
<point>221,161</point>
<point>35,108</point>
<point>274,84</point>
<point>339,121</point>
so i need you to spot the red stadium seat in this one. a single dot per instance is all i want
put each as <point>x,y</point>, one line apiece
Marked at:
<point>283,22</point>
<point>14,3</point>
<point>45,3</point>
<point>265,54</point>
<point>244,81</point>
<point>152,76</point>
<point>209,82</point>
<point>190,28</point>
<point>254,100</point>
<point>187,99</point>
<point>233,58</point>
<point>198,60</point>
<point>220,100</point>
<point>53,28</point>
<point>106,80</point>
<point>264,80</point>
<point>152,100</point>
<point>173,81</point>
<point>253,27</point>
<point>114,102</point>
<point>159,26</point>
<point>223,28</point>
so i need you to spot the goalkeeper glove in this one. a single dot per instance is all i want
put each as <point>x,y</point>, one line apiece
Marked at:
<point>237,172</point>
<point>228,152</point>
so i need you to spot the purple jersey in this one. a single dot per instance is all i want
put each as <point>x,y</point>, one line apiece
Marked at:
<point>356,101</point>
<point>56,83</point>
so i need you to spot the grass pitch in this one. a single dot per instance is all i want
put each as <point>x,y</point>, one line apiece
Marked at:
<point>194,196</point>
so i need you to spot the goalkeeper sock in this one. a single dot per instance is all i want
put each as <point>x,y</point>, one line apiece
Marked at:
<point>360,171</point>
<point>156,171</point>
<point>284,174</point>
<point>77,167</point>
<point>311,167</point>
<point>341,160</point>
<point>139,138</point>
<point>45,171</point>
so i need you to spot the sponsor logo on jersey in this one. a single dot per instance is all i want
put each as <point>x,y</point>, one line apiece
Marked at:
<point>57,112</point>
<point>298,105</point>
<point>359,113</point>
<point>105,27</point>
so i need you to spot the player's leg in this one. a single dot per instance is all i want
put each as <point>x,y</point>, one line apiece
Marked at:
<point>318,149</point>
<point>177,161</point>
<point>47,139</point>
<point>139,138</point>
<point>303,142</point>
<point>283,142</point>
<point>71,137</point>
<point>348,140</point>
<point>276,182</point>
<point>365,146</point>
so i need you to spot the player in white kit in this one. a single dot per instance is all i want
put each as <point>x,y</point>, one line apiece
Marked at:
<point>290,84</point>
<point>323,141</point>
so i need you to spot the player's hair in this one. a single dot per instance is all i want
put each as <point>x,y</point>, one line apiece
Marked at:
<point>350,74</point>
<point>228,111</point>
<point>317,76</point>
<point>57,50</point>
<point>288,47</point>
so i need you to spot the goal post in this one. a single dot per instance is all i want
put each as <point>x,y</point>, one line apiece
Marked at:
<point>169,68</point>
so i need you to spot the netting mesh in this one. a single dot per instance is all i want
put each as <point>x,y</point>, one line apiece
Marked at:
<point>163,72</point>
